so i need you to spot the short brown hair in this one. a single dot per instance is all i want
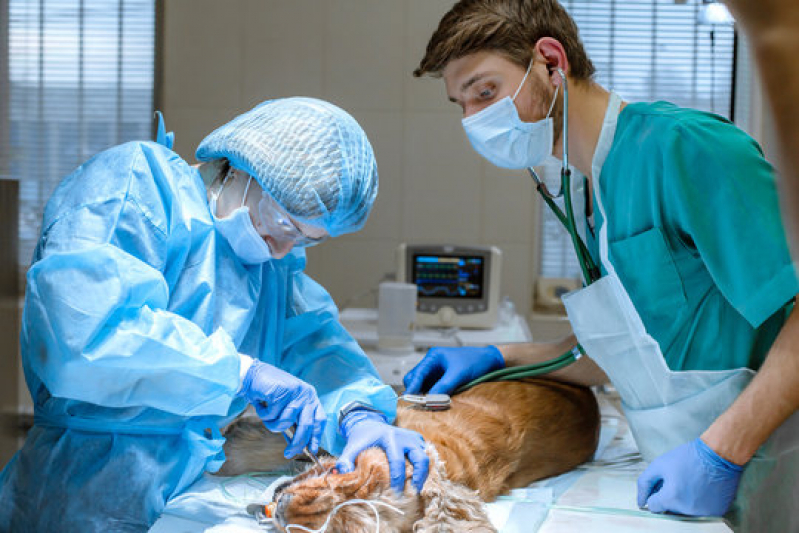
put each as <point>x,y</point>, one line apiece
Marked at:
<point>507,27</point>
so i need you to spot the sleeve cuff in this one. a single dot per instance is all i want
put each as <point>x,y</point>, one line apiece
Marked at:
<point>356,406</point>
<point>245,363</point>
<point>772,297</point>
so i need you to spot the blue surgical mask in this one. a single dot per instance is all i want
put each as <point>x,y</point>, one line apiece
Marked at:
<point>498,134</point>
<point>239,231</point>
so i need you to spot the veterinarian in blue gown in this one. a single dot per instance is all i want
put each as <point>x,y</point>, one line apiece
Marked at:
<point>691,313</point>
<point>159,304</point>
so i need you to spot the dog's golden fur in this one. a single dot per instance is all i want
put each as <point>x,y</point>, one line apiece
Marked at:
<point>495,437</point>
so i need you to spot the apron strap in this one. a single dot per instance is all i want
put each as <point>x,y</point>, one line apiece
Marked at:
<point>600,154</point>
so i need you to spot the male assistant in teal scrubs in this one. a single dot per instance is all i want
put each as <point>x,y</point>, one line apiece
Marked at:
<point>691,319</point>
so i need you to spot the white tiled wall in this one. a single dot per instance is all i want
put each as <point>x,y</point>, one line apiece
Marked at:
<point>222,58</point>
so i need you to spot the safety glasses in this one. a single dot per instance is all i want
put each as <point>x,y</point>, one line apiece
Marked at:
<point>279,225</point>
<point>272,220</point>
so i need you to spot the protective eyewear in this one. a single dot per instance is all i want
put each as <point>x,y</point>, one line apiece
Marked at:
<point>272,217</point>
<point>279,225</point>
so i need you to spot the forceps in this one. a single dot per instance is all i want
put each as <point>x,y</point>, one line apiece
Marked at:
<point>289,435</point>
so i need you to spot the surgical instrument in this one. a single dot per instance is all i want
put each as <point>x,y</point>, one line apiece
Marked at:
<point>289,435</point>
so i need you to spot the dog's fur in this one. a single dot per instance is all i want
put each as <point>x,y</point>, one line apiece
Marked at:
<point>495,437</point>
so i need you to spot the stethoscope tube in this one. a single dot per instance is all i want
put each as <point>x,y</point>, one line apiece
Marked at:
<point>517,373</point>
<point>589,269</point>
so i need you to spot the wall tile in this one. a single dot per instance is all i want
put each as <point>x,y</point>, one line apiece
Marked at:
<point>384,130</point>
<point>203,49</point>
<point>508,200</point>
<point>517,280</point>
<point>284,47</point>
<point>363,54</point>
<point>443,181</point>
<point>424,93</point>
<point>347,267</point>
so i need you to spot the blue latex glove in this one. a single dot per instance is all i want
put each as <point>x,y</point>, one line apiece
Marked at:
<point>445,369</point>
<point>691,480</point>
<point>367,429</point>
<point>281,401</point>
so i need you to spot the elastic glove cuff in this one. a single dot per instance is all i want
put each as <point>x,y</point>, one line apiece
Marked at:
<point>499,359</point>
<point>246,383</point>
<point>358,416</point>
<point>706,453</point>
<point>246,362</point>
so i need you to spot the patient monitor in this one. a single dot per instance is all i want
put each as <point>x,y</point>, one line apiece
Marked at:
<point>457,286</point>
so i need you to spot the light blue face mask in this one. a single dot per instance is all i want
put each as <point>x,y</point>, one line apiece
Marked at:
<point>239,231</point>
<point>498,134</point>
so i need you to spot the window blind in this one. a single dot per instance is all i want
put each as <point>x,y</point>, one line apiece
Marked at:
<point>4,90</point>
<point>81,79</point>
<point>645,51</point>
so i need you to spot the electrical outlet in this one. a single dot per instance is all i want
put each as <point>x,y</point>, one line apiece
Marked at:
<point>548,291</point>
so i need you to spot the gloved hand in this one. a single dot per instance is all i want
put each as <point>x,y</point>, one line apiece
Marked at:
<point>691,480</point>
<point>367,429</point>
<point>281,401</point>
<point>445,369</point>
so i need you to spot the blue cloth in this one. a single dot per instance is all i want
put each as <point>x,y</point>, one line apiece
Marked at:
<point>696,237</point>
<point>311,156</point>
<point>135,313</point>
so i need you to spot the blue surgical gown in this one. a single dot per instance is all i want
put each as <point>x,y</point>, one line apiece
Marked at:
<point>695,235</point>
<point>135,313</point>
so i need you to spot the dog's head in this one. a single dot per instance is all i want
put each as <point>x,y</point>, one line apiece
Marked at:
<point>319,496</point>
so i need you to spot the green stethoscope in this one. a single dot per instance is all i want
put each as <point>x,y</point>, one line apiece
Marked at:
<point>589,269</point>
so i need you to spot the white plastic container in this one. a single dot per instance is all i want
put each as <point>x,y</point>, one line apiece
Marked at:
<point>396,315</point>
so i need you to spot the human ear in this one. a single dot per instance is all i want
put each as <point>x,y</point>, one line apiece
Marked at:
<point>553,55</point>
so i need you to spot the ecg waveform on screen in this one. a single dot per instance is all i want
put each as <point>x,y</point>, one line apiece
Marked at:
<point>449,277</point>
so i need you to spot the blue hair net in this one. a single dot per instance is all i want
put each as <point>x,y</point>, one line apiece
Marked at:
<point>311,156</point>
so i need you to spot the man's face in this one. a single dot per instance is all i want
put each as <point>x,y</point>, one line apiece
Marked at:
<point>478,80</point>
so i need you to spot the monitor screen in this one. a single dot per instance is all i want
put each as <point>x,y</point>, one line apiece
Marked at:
<point>448,276</point>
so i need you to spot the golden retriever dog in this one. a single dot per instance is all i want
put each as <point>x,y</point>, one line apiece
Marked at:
<point>495,437</point>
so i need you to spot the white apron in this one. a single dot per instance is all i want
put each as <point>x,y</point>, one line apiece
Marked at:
<point>665,408</point>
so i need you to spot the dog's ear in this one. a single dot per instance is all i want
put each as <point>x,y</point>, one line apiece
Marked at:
<point>447,506</point>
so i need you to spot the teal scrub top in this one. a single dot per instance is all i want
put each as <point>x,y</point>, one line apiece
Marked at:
<point>695,235</point>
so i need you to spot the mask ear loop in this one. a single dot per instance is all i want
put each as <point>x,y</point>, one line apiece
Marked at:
<point>539,182</point>
<point>246,190</point>
<point>554,99</point>
<point>524,79</point>
<point>519,88</point>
